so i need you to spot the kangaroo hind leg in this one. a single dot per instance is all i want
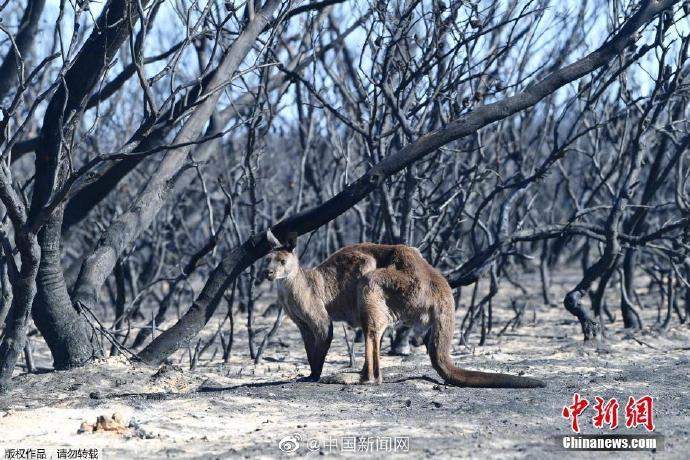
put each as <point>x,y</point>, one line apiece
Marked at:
<point>374,319</point>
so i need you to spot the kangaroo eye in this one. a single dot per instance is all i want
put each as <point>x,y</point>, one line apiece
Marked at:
<point>282,262</point>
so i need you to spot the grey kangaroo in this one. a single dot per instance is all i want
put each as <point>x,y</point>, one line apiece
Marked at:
<point>371,286</point>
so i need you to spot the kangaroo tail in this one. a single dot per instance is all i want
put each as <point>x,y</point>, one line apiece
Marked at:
<point>439,346</point>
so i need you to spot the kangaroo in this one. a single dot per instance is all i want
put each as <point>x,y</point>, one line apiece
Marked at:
<point>370,286</point>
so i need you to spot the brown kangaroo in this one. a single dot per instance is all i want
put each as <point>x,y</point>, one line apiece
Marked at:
<point>371,286</point>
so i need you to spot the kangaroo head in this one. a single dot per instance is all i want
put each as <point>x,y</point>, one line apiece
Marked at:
<point>282,260</point>
<point>282,263</point>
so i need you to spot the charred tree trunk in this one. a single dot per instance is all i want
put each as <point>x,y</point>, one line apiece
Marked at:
<point>17,322</point>
<point>631,319</point>
<point>65,331</point>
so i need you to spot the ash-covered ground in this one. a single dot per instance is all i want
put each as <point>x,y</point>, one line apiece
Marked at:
<point>245,410</point>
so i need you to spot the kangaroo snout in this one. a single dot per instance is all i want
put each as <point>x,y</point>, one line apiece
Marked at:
<point>264,275</point>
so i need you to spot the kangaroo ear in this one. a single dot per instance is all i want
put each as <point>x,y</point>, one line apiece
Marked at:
<point>273,242</point>
<point>291,241</point>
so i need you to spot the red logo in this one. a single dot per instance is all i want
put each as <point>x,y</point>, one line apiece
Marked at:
<point>637,412</point>
<point>606,413</point>
<point>574,410</point>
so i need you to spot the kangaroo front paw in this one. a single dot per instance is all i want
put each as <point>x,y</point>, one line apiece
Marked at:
<point>309,378</point>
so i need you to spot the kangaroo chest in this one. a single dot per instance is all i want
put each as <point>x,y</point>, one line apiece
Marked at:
<point>303,302</point>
